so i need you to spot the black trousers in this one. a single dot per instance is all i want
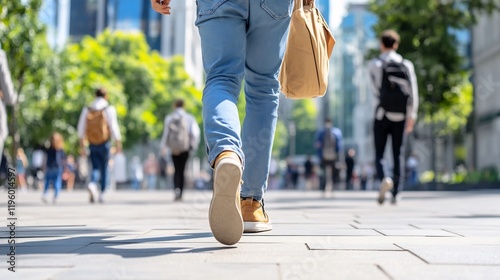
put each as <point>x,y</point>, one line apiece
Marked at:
<point>382,129</point>
<point>333,164</point>
<point>179,167</point>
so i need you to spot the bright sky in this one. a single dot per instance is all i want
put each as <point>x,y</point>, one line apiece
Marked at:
<point>338,10</point>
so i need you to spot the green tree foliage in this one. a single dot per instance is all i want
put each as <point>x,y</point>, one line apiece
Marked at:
<point>428,38</point>
<point>142,85</point>
<point>23,38</point>
<point>304,115</point>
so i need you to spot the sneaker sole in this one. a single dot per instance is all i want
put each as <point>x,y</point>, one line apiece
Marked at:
<point>384,188</point>
<point>224,215</point>
<point>254,227</point>
<point>93,193</point>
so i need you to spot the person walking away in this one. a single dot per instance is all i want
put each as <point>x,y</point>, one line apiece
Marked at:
<point>350,162</point>
<point>151,170</point>
<point>98,125</point>
<point>37,162</point>
<point>137,173</point>
<point>329,147</point>
<point>309,172</point>
<point>8,96</point>
<point>69,173</point>
<point>21,167</point>
<point>239,40</point>
<point>395,86</point>
<point>181,135</point>
<point>54,166</point>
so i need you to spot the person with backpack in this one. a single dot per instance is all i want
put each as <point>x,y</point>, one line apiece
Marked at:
<point>329,149</point>
<point>8,96</point>
<point>181,135</point>
<point>395,86</point>
<point>97,125</point>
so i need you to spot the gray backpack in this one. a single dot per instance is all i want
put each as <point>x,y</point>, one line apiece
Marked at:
<point>178,140</point>
<point>329,146</point>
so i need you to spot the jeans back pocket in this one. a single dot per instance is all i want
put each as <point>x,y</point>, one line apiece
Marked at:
<point>208,7</point>
<point>277,9</point>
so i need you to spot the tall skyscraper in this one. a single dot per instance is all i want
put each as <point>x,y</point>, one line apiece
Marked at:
<point>71,20</point>
<point>352,99</point>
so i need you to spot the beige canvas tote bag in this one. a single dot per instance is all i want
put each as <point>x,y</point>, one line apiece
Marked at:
<point>304,70</point>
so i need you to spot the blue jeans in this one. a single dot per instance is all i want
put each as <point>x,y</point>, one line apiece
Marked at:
<point>53,175</point>
<point>99,156</point>
<point>243,39</point>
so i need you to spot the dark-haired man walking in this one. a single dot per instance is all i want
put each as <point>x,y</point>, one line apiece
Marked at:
<point>395,86</point>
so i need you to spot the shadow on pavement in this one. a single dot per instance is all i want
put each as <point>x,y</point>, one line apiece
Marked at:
<point>100,244</point>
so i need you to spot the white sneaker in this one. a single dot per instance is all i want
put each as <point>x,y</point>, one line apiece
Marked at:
<point>385,186</point>
<point>224,217</point>
<point>101,198</point>
<point>92,187</point>
<point>45,198</point>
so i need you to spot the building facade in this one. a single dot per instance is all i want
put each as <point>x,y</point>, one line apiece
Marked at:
<point>71,20</point>
<point>352,100</point>
<point>486,79</point>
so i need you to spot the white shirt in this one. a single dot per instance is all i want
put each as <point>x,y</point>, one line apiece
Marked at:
<point>100,103</point>
<point>194,129</point>
<point>9,95</point>
<point>375,68</point>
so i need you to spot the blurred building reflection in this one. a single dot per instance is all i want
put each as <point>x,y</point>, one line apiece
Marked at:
<point>486,79</point>
<point>71,20</point>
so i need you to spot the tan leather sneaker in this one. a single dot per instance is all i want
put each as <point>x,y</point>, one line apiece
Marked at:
<point>255,217</point>
<point>224,215</point>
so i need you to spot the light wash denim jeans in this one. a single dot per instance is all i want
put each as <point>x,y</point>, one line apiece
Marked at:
<point>53,175</point>
<point>243,39</point>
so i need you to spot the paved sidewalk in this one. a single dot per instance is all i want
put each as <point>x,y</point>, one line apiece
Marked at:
<point>145,235</point>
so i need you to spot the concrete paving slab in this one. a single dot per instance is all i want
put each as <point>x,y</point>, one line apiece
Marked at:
<point>313,271</point>
<point>23,273</point>
<point>144,235</point>
<point>456,254</point>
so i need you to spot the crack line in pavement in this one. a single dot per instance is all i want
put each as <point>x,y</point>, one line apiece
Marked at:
<point>379,232</point>
<point>383,271</point>
<point>354,226</point>
<point>279,271</point>
<point>453,232</point>
<point>422,259</point>
<point>414,226</point>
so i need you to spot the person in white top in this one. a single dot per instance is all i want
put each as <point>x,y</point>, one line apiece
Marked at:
<point>97,125</point>
<point>8,96</point>
<point>395,86</point>
<point>180,154</point>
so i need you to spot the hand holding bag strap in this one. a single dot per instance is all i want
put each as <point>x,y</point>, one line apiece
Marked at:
<point>298,5</point>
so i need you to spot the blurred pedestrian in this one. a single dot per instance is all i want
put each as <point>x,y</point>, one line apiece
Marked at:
<point>21,167</point>
<point>350,162</point>
<point>395,86</point>
<point>136,172</point>
<point>309,172</point>
<point>7,94</point>
<point>54,166</point>
<point>151,169</point>
<point>180,136</point>
<point>291,175</point>
<point>412,169</point>
<point>37,162</point>
<point>329,148</point>
<point>240,40</point>
<point>163,165</point>
<point>98,124</point>
<point>69,173</point>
